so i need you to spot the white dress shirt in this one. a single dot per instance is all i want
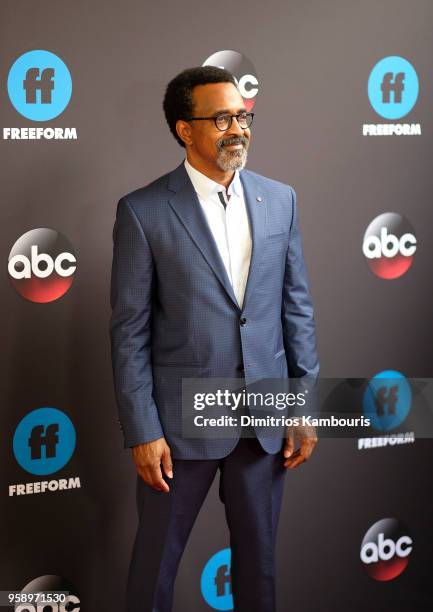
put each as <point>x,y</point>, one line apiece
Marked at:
<point>229,225</point>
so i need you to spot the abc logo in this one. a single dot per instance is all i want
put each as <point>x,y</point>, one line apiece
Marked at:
<point>56,588</point>
<point>243,71</point>
<point>389,245</point>
<point>385,549</point>
<point>71,603</point>
<point>41,265</point>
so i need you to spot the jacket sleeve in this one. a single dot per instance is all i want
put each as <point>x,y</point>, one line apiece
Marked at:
<point>297,310</point>
<point>132,282</point>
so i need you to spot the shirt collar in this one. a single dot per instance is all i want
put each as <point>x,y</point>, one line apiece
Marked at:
<point>205,187</point>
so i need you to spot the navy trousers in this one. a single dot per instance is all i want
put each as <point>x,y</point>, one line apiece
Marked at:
<point>251,488</point>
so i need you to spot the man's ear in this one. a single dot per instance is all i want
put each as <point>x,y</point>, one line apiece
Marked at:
<point>183,129</point>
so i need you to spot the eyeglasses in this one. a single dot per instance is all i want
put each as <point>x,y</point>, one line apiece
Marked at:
<point>223,122</point>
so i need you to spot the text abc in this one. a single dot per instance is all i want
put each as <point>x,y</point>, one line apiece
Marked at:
<point>51,607</point>
<point>33,264</point>
<point>388,245</point>
<point>385,549</point>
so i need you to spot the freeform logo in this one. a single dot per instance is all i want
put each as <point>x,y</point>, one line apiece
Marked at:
<point>243,71</point>
<point>386,440</point>
<point>385,549</point>
<point>44,441</point>
<point>393,91</point>
<point>216,581</point>
<point>39,85</point>
<point>42,265</point>
<point>55,595</point>
<point>44,486</point>
<point>393,87</point>
<point>387,400</point>
<point>392,83</point>
<point>389,245</point>
<point>39,80</point>
<point>38,133</point>
<point>40,88</point>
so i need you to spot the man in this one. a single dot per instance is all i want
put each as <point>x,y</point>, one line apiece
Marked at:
<point>208,280</point>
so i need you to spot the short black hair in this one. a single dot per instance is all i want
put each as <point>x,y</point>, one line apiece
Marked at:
<point>178,103</point>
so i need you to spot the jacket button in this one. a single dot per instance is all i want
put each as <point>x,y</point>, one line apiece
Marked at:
<point>242,321</point>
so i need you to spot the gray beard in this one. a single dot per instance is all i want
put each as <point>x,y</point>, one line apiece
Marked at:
<point>232,160</point>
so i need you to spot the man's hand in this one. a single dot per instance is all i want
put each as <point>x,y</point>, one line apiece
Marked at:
<point>307,436</point>
<point>148,458</point>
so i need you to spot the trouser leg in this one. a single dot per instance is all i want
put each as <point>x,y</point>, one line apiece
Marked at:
<point>252,483</point>
<point>165,522</point>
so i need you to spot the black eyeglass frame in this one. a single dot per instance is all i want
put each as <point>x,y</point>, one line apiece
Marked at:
<point>214,119</point>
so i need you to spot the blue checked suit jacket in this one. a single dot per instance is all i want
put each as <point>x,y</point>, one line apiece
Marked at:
<point>174,312</point>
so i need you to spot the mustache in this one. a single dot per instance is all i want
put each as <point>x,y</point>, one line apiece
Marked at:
<point>243,140</point>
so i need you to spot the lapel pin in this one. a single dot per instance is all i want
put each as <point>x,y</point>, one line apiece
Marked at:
<point>259,198</point>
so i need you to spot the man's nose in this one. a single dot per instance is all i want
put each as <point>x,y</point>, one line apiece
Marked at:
<point>235,128</point>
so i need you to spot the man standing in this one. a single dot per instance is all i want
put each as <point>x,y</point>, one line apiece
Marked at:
<point>208,280</point>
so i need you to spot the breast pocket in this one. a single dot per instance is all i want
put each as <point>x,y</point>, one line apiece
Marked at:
<point>277,236</point>
<point>277,227</point>
<point>276,243</point>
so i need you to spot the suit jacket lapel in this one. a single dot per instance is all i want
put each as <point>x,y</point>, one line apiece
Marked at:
<point>187,207</point>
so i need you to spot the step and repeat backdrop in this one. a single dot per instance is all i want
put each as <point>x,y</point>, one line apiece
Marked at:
<point>342,94</point>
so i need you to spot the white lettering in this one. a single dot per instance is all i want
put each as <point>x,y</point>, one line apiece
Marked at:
<point>34,265</point>
<point>388,245</point>
<point>63,270</point>
<point>391,129</point>
<point>251,91</point>
<point>39,133</point>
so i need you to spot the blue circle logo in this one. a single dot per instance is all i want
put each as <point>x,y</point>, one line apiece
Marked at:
<point>393,87</point>
<point>387,400</point>
<point>39,85</point>
<point>216,584</point>
<point>44,441</point>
